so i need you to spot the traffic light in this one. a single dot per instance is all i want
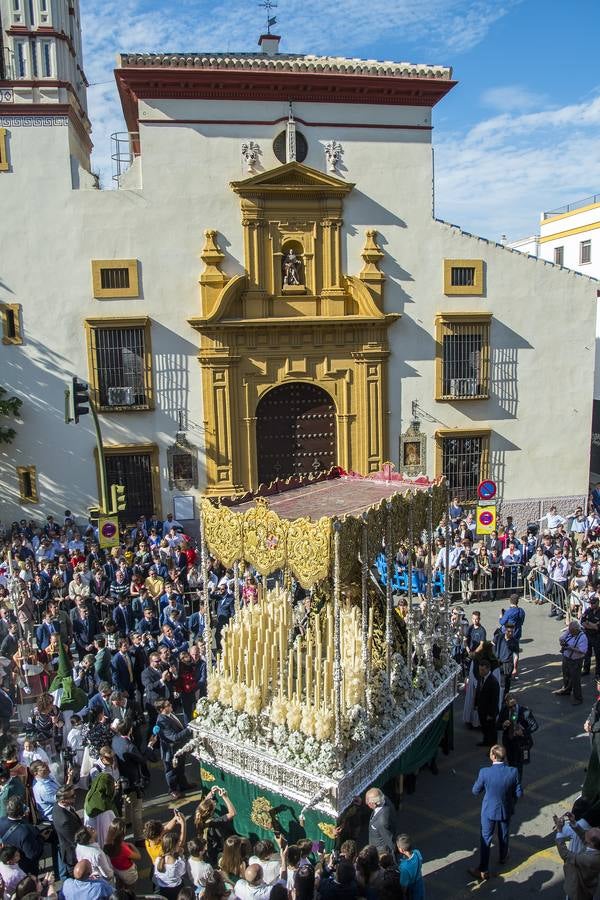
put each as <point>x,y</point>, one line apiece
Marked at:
<point>118,497</point>
<point>81,396</point>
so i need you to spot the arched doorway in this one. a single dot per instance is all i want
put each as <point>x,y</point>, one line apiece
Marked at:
<point>295,432</point>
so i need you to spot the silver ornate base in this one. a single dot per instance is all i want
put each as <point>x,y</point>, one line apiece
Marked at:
<point>306,788</point>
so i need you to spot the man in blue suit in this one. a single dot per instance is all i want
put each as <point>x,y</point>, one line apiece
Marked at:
<point>501,788</point>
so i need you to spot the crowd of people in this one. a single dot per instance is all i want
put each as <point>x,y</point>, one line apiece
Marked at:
<point>126,628</point>
<point>103,652</point>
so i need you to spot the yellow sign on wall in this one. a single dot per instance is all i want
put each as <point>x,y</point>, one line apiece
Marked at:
<point>486,519</point>
<point>108,531</point>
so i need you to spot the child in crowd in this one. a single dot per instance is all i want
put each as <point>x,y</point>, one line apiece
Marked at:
<point>198,869</point>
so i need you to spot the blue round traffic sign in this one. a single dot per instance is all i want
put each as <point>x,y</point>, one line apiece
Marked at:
<point>486,489</point>
<point>486,518</point>
<point>108,530</point>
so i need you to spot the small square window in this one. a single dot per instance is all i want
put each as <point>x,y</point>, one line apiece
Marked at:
<point>463,277</point>
<point>11,323</point>
<point>115,278</point>
<point>28,491</point>
<point>559,256</point>
<point>585,252</point>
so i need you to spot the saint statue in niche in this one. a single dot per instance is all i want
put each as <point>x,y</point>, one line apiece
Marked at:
<point>291,268</point>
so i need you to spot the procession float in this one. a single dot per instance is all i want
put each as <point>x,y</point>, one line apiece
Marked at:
<point>302,715</point>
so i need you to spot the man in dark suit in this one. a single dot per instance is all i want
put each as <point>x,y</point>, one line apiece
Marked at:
<point>173,735</point>
<point>156,687</point>
<point>85,629</point>
<point>123,616</point>
<point>501,788</point>
<point>66,824</point>
<point>487,696</point>
<point>382,823</point>
<point>122,669</point>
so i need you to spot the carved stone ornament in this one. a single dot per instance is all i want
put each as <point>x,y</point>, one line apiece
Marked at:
<point>182,463</point>
<point>250,155</point>
<point>333,155</point>
<point>413,456</point>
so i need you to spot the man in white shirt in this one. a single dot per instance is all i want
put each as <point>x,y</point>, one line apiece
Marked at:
<point>554,520</point>
<point>169,523</point>
<point>253,886</point>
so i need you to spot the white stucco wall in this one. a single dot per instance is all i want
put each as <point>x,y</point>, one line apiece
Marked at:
<point>542,358</point>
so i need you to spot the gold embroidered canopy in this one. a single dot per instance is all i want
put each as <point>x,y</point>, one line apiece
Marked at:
<point>271,533</point>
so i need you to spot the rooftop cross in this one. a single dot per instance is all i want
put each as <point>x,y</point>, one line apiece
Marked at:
<point>271,20</point>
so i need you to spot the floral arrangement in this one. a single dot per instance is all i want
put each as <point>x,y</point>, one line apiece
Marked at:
<point>303,735</point>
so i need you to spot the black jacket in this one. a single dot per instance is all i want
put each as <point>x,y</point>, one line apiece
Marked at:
<point>66,824</point>
<point>154,687</point>
<point>173,735</point>
<point>382,827</point>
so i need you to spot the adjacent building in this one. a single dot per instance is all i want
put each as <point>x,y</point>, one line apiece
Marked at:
<point>267,293</point>
<point>569,237</point>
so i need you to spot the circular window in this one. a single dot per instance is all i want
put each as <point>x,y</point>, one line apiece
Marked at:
<point>279,145</point>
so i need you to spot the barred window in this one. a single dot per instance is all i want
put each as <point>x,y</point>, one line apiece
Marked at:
<point>463,461</point>
<point>559,256</point>
<point>115,278</point>
<point>136,470</point>
<point>463,359</point>
<point>120,364</point>
<point>463,276</point>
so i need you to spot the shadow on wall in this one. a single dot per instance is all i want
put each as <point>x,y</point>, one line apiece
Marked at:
<point>39,376</point>
<point>499,447</point>
<point>503,402</point>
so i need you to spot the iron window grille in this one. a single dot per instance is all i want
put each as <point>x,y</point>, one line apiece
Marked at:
<point>559,256</point>
<point>585,252</point>
<point>120,364</point>
<point>462,459</point>
<point>463,361</point>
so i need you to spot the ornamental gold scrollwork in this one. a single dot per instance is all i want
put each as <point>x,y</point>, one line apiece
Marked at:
<point>264,538</point>
<point>222,532</point>
<point>309,549</point>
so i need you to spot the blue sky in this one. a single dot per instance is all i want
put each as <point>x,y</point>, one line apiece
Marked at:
<point>520,133</point>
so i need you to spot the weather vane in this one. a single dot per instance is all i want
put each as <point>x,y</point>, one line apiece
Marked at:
<point>271,20</point>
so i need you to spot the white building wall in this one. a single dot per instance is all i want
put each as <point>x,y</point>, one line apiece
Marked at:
<point>542,369</point>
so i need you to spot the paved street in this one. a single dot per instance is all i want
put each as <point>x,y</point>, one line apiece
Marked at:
<point>443,816</point>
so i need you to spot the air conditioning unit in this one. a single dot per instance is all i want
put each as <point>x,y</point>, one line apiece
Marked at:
<point>121,396</point>
<point>464,387</point>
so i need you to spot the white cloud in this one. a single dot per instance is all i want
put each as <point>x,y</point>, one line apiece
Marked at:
<point>497,177</point>
<point>513,97</point>
<point>447,27</point>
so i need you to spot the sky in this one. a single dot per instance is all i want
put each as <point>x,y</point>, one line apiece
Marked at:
<point>519,134</point>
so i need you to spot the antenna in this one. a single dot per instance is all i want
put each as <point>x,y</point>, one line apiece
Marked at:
<point>271,20</point>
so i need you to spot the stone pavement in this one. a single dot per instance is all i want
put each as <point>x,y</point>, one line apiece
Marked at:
<point>442,815</point>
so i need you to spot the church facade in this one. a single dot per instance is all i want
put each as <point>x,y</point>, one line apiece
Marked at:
<point>268,292</point>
